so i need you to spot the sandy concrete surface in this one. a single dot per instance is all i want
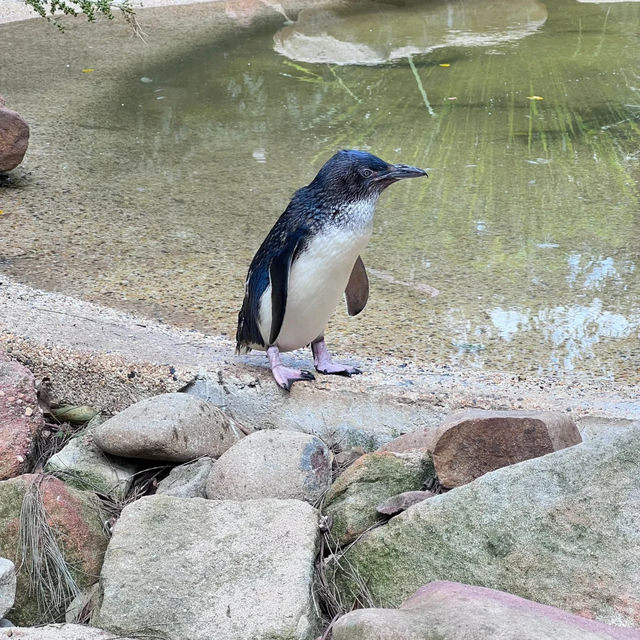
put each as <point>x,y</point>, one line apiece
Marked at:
<point>109,359</point>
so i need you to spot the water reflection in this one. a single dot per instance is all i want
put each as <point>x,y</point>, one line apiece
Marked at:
<point>369,33</point>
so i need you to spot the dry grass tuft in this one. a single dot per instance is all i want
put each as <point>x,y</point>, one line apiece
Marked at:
<point>41,558</point>
<point>330,601</point>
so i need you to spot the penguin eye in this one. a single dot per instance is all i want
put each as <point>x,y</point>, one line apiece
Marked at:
<point>367,173</point>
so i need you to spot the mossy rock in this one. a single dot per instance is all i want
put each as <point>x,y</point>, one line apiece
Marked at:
<point>374,477</point>
<point>76,521</point>
<point>560,530</point>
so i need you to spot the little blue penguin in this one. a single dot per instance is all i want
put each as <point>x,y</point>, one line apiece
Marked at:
<point>310,258</point>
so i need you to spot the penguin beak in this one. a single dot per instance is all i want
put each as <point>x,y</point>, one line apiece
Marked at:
<point>400,171</point>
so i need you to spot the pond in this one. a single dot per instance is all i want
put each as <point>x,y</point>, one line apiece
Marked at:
<point>157,168</point>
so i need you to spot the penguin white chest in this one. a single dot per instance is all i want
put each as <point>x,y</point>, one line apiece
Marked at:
<point>317,280</point>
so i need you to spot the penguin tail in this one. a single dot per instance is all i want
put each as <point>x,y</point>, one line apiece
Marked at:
<point>242,348</point>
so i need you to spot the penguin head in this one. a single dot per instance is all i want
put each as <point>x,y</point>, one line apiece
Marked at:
<point>358,175</point>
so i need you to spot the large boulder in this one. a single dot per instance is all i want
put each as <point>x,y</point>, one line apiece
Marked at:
<point>563,530</point>
<point>14,138</point>
<point>59,632</point>
<point>187,480</point>
<point>75,521</point>
<point>470,443</point>
<point>82,464</point>
<point>272,464</point>
<point>453,611</point>
<point>174,427</point>
<point>21,417</point>
<point>354,497</point>
<point>200,569</point>
<point>7,585</point>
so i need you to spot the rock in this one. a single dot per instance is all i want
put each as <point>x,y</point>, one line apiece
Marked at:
<point>472,442</point>
<point>397,504</point>
<point>14,138</point>
<point>352,500</point>
<point>424,440</point>
<point>354,417</point>
<point>200,569</point>
<point>59,632</point>
<point>4,623</point>
<point>74,414</point>
<point>347,457</point>
<point>7,585</point>
<point>454,611</point>
<point>82,464</point>
<point>21,416</point>
<point>187,480</point>
<point>562,530</point>
<point>76,521</point>
<point>174,427</point>
<point>81,608</point>
<point>272,464</point>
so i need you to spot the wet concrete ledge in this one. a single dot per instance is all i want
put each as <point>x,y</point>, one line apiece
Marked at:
<point>108,359</point>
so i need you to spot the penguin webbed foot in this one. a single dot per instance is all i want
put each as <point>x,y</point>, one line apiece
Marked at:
<point>338,369</point>
<point>324,364</point>
<point>285,376</point>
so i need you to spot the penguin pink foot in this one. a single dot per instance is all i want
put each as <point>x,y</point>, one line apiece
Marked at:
<point>324,364</point>
<point>285,376</point>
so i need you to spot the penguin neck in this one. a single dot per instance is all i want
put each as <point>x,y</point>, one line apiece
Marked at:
<point>356,215</point>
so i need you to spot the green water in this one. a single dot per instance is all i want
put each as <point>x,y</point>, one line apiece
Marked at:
<point>154,177</point>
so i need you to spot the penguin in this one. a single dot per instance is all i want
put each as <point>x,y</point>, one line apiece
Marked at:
<point>310,258</point>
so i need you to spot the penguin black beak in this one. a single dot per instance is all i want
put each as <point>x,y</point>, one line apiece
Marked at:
<point>401,171</point>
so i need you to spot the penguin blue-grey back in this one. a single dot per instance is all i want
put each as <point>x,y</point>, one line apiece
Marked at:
<point>310,258</point>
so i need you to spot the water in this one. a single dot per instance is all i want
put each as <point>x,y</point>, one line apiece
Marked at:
<point>155,176</point>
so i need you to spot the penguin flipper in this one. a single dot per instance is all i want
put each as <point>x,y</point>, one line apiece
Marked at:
<point>357,291</point>
<point>279,276</point>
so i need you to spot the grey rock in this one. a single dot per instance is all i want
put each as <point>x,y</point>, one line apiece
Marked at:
<point>563,530</point>
<point>7,585</point>
<point>59,632</point>
<point>454,611</point>
<point>272,464</point>
<point>354,496</point>
<point>401,502</point>
<point>4,623</point>
<point>82,464</point>
<point>187,480</point>
<point>173,427</point>
<point>201,569</point>
<point>81,609</point>
<point>353,418</point>
<point>347,457</point>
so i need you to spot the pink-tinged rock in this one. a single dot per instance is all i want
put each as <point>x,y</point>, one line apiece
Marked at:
<point>14,138</point>
<point>414,441</point>
<point>76,520</point>
<point>473,442</point>
<point>20,416</point>
<point>402,501</point>
<point>453,611</point>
